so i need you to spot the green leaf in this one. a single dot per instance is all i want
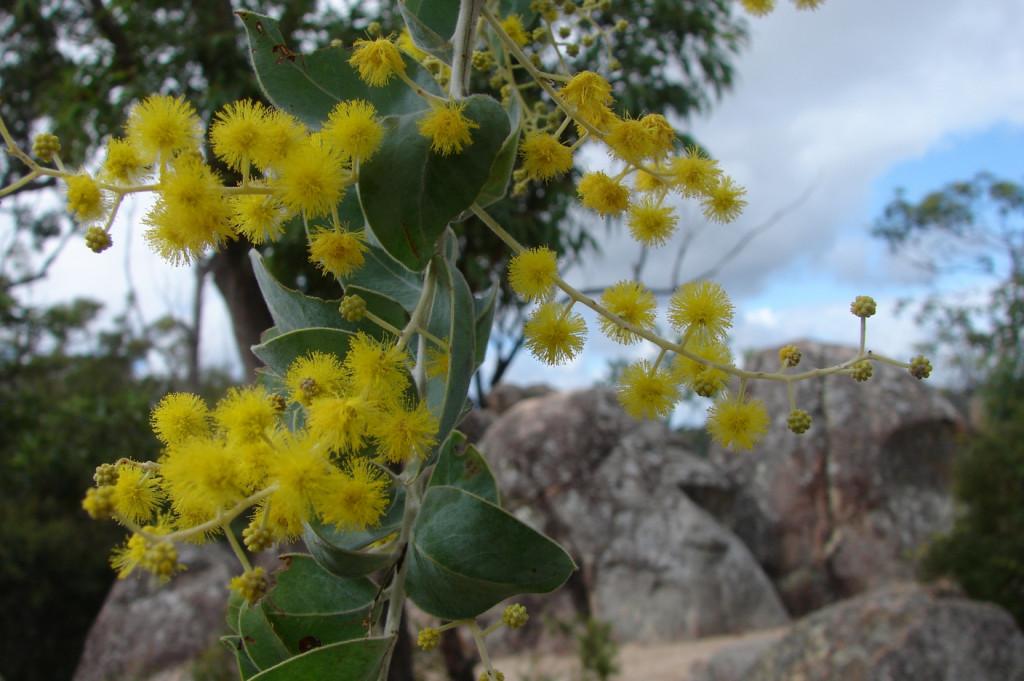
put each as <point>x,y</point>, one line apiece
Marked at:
<point>279,352</point>
<point>260,641</point>
<point>496,186</point>
<point>452,319</point>
<point>467,554</point>
<point>358,660</point>
<point>292,310</point>
<point>520,7</point>
<point>431,24</point>
<point>409,194</point>
<point>325,544</point>
<point>306,588</point>
<point>309,607</point>
<point>485,307</point>
<point>386,276</point>
<point>462,465</point>
<point>309,86</point>
<point>246,669</point>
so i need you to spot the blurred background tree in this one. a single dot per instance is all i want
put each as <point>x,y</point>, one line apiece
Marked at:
<point>977,227</point>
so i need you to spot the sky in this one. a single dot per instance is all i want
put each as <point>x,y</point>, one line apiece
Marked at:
<point>840,106</point>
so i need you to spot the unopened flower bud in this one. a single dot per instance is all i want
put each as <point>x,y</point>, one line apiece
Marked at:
<point>798,421</point>
<point>99,502</point>
<point>45,145</point>
<point>863,306</point>
<point>428,638</point>
<point>97,239</point>
<point>352,308</point>
<point>861,371</point>
<point>515,616</point>
<point>790,355</point>
<point>251,584</point>
<point>920,367</point>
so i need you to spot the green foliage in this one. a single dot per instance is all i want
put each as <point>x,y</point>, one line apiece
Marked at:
<point>70,403</point>
<point>985,550</point>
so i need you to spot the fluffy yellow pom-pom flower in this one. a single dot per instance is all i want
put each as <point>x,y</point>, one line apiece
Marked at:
<point>123,163</point>
<point>590,95</point>
<point>704,380</point>
<point>376,370</point>
<point>650,223</point>
<point>544,157</point>
<point>258,217</point>
<point>724,201</point>
<point>646,392</point>
<point>339,423</point>
<point>377,60</point>
<point>200,479</point>
<point>554,333</point>
<point>447,128</point>
<point>758,8</point>
<point>630,140</point>
<point>85,200</point>
<point>192,213</point>
<point>532,273</point>
<point>314,375</point>
<point>179,417</point>
<point>357,496</point>
<point>634,304</point>
<point>337,252</point>
<point>163,126</point>
<point>136,494</point>
<point>737,424</point>
<point>661,133</point>
<point>302,473</point>
<point>353,129</point>
<point>694,174</point>
<point>246,414</point>
<point>603,194</point>
<point>402,433</point>
<point>236,132</point>
<point>513,25</point>
<point>702,309</point>
<point>281,134</point>
<point>311,179</point>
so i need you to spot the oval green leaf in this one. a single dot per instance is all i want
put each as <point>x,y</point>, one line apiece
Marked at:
<point>358,660</point>
<point>467,555</point>
<point>324,544</point>
<point>461,465</point>
<point>452,318</point>
<point>280,351</point>
<point>409,194</point>
<point>309,86</point>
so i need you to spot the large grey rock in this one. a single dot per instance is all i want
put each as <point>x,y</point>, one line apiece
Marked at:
<point>843,508</point>
<point>611,490</point>
<point>734,661</point>
<point>145,628</point>
<point>901,633</point>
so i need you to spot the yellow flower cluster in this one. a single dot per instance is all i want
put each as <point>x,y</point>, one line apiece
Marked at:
<point>239,456</point>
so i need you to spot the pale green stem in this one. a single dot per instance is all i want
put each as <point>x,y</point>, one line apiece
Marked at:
<point>677,348</point>
<point>481,648</point>
<point>236,547</point>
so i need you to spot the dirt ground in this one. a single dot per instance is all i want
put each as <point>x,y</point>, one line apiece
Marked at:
<point>653,662</point>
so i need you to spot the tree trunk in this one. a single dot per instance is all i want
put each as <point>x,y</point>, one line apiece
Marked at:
<point>233,275</point>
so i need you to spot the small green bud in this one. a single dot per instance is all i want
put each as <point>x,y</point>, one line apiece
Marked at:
<point>707,383</point>
<point>515,616</point>
<point>352,308</point>
<point>572,49</point>
<point>496,82</point>
<point>564,32</point>
<point>428,638</point>
<point>798,421</point>
<point>621,25</point>
<point>920,367</point>
<point>568,8</point>
<point>587,40</point>
<point>97,240</point>
<point>863,306</point>
<point>540,35</point>
<point>861,371</point>
<point>257,538</point>
<point>251,584</point>
<point>45,145</point>
<point>374,28</point>
<point>790,355</point>
<point>483,60</point>
<point>106,474</point>
<point>493,675</point>
<point>337,42</point>
<point>614,64</point>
